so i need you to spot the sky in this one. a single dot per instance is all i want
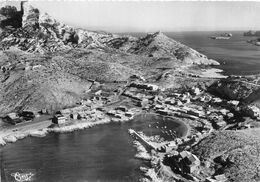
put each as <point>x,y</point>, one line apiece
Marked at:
<point>150,16</point>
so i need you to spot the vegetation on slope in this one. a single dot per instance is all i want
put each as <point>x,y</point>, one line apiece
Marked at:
<point>234,153</point>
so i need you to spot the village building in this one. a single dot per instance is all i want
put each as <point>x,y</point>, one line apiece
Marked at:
<point>230,115</point>
<point>170,101</point>
<point>221,123</point>
<point>233,102</point>
<point>221,178</point>
<point>44,111</point>
<point>158,106</point>
<point>179,103</point>
<point>12,118</point>
<point>59,119</point>
<point>224,111</point>
<point>144,86</point>
<point>253,111</point>
<point>183,162</point>
<point>121,108</point>
<point>129,114</point>
<point>137,77</point>
<point>196,112</point>
<point>98,92</point>
<point>217,100</point>
<point>195,91</point>
<point>75,116</point>
<point>175,94</point>
<point>209,179</point>
<point>64,112</point>
<point>27,115</point>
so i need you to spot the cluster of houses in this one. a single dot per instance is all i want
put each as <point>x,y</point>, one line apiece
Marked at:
<point>121,113</point>
<point>253,112</point>
<point>88,111</point>
<point>190,104</point>
<point>183,162</point>
<point>16,118</point>
<point>145,86</point>
<point>93,110</point>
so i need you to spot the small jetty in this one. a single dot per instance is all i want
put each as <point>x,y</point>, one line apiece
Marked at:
<point>139,138</point>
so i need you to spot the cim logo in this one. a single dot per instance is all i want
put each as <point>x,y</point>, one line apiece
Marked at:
<point>22,177</point>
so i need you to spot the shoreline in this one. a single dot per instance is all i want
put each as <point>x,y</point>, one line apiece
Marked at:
<point>213,73</point>
<point>11,136</point>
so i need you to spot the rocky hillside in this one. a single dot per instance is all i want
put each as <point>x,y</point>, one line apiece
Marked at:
<point>47,64</point>
<point>234,153</point>
<point>160,46</point>
<point>245,90</point>
<point>39,32</point>
<point>233,89</point>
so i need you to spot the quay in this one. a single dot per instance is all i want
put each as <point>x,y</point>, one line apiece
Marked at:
<point>145,143</point>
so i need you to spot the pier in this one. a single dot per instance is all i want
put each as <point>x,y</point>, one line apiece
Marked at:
<point>145,143</point>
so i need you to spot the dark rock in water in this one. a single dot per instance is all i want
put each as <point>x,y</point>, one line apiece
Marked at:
<point>252,33</point>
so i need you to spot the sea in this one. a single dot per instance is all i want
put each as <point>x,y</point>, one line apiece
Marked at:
<point>236,55</point>
<point>106,153</point>
<point>102,153</point>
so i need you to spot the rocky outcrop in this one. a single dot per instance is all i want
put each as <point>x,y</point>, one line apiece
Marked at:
<point>39,32</point>
<point>30,17</point>
<point>235,89</point>
<point>158,45</point>
<point>252,33</point>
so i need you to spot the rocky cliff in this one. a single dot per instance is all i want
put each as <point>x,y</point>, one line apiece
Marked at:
<point>39,32</point>
<point>234,89</point>
<point>246,90</point>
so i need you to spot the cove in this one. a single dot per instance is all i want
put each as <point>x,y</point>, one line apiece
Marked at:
<point>102,153</point>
